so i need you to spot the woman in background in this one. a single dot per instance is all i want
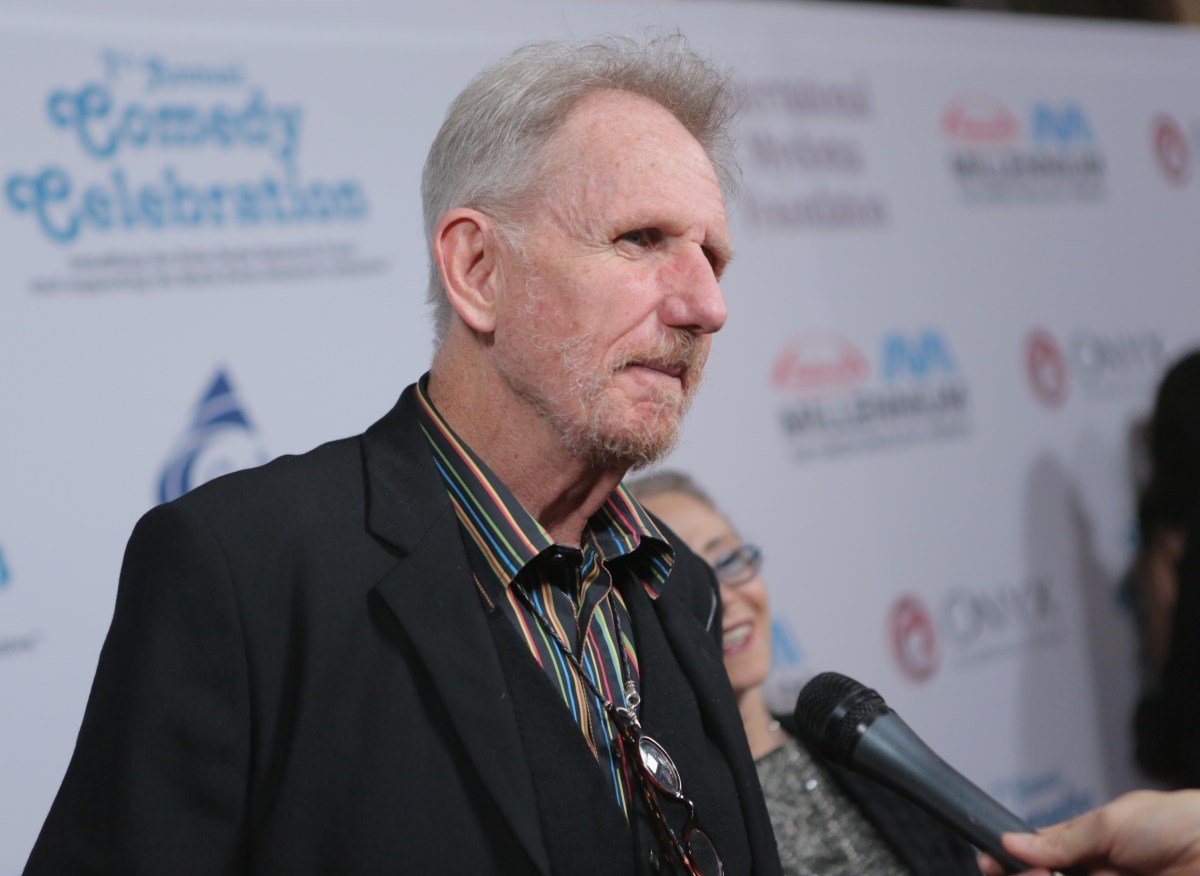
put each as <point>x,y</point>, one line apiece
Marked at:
<point>1166,583</point>
<point>827,820</point>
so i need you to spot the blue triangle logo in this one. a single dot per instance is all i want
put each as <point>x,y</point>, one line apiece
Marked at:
<point>220,439</point>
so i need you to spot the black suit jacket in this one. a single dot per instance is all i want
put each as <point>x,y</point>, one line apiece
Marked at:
<point>299,678</point>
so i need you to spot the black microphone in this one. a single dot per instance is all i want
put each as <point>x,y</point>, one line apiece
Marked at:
<point>850,724</point>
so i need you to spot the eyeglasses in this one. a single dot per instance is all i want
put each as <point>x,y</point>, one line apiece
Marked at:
<point>656,771</point>
<point>739,566</point>
<point>691,846</point>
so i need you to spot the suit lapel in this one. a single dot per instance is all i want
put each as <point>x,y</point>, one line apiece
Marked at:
<point>700,660</point>
<point>431,594</point>
<point>697,656</point>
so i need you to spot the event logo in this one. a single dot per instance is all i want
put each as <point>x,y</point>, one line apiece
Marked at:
<point>914,639</point>
<point>807,97</point>
<point>1171,149</point>
<point>145,106</point>
<point>995,158</point>
<point>1046,797</point>
<point>219,440</point>
<point>1104,365</point>
<point>818,360</point>
<point>970,625</point>
<point>1046,367</point>
<point>805,154</point>
<point>838,401</point>
<point>976,117</point>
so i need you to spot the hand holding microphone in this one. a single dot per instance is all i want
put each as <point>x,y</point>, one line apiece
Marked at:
<point>1144,833</point>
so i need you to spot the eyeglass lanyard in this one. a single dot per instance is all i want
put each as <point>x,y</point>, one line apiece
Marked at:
<point>625,717</point>
<point>633,699</point>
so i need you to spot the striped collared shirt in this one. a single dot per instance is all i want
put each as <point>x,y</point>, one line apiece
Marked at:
<point>576,590</point>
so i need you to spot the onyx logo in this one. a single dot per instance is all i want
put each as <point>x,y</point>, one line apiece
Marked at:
<point>1118,363</point>
<point>975,621</point>
<point>1046,368</point>
<point>1171,150</point>
<point>1103,364</point>
<point>914,639</point>
<point>969,626</point>
<point>219,440</point>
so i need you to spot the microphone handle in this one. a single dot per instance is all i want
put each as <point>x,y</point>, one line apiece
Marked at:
<point>892,755</point>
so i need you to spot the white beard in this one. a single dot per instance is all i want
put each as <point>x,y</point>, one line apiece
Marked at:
<point>592,423</point>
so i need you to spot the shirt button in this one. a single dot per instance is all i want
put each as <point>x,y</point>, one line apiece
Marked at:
<point>655,864</point>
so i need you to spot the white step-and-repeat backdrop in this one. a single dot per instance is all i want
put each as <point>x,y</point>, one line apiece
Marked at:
<point>967,247</point>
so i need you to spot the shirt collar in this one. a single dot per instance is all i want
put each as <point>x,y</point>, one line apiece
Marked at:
<point>508,536</point>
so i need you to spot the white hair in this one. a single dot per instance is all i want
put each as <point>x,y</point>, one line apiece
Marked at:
<point>489,152</point>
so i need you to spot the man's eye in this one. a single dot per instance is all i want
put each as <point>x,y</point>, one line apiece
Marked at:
<point>641,237</point>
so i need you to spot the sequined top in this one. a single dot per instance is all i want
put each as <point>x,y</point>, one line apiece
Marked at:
<point>819,830</point>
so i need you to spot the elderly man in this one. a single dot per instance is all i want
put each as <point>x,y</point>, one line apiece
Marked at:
<point>454,644</point>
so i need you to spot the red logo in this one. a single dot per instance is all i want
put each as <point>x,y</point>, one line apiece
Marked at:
<point>914,639</point>
<point>818,360</point>
<point>1171,149</point>
<point>1046,367</point>
<point>978,118</point>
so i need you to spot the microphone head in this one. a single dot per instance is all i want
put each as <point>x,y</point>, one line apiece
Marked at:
<point>832,712</point>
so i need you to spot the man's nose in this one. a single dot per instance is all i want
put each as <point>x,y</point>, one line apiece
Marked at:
<point>694,301</point>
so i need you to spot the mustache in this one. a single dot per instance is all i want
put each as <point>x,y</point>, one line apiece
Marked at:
<point>676,349</point>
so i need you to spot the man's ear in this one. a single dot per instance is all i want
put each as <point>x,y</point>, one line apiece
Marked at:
<point>465,246</point>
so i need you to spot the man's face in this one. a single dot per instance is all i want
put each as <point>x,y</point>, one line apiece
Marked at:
<point>608,310</point>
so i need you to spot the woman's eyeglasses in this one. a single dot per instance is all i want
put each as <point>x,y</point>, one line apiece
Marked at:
<point>739,566</point>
